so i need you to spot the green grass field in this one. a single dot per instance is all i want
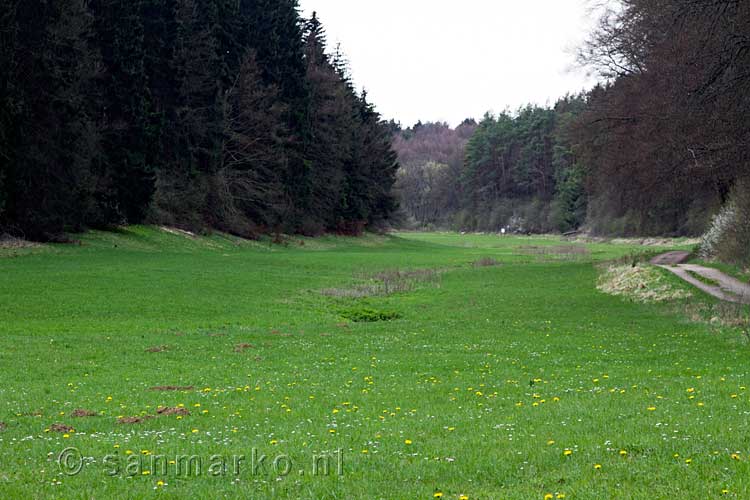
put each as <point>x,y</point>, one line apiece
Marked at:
<point>510,381</point>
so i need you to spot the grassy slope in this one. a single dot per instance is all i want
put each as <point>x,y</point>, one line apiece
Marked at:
<point>458,375</point>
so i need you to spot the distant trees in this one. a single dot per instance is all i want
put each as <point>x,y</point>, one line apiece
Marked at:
<point>431,158</point>
<point>665,138</point>
<point>656,149</point>
<point>227,114</point>
<point>514,171</point>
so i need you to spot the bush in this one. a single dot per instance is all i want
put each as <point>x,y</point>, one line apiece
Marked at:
<point>734,241</point>
<point>728,237</point>
<point>719,227</point>
<point>368,315</point>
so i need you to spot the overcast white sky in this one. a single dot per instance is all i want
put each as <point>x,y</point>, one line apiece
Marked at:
<point>440,60</point>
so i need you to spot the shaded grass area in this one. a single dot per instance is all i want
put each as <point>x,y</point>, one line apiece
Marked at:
<point>478,388</point>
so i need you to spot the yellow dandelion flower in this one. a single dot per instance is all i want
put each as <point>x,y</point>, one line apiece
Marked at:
<point>550,442</point>
<point>735,456</point>
<point>438,494</point>
<point>407,441</point>
<point>159,483</point>
<point>560,495</point>
<point>549,496</point>
<point>146,473</point>
<point>688,461</point>
<point>623,453</point>
<point>651,408</point>
<point>598,466</point>
<point>568,453</point>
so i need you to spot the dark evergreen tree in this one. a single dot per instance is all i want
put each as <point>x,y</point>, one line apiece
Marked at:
<point>372,173</point>
<point>8,30</point>
<point>330,121</point>
<point>197,113</point>
<point>49,124</point>
<point>126,122</point>
<point>248,186</point>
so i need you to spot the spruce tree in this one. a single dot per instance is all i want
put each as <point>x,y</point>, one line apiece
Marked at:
<point>127,130</point>
<point>273,29</point>
<point>330,115</point>
<point>53,134</point>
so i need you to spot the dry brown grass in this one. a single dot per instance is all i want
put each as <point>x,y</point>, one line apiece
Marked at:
<point>386,283</point>
<point>8,242</point>
<point>486,262</point>
<point>641,283</point>
<point>557,252</point>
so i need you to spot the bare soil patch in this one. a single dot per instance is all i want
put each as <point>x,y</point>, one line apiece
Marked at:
<point>60,428</point>
<point>3,426</point>
<point>243,347</point>
<point>486,262</point>
<point>166,411</point>
<point>167,388</point>
<point>80,413</point>
<point>134,420</point>
<point>158,348</point>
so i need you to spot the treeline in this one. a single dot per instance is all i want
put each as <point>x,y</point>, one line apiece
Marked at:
<point>658,148</point>
<point>666,139</point>
<point>514,171</point>
<point>200,114</point>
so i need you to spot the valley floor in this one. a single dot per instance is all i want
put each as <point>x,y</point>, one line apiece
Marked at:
<point>416,365</point>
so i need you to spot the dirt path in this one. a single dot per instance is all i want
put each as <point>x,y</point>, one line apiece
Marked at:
<point>670,258</point>
<point>726,288</point>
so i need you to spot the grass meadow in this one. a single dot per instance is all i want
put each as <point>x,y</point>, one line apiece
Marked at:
<point>148,364</point>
